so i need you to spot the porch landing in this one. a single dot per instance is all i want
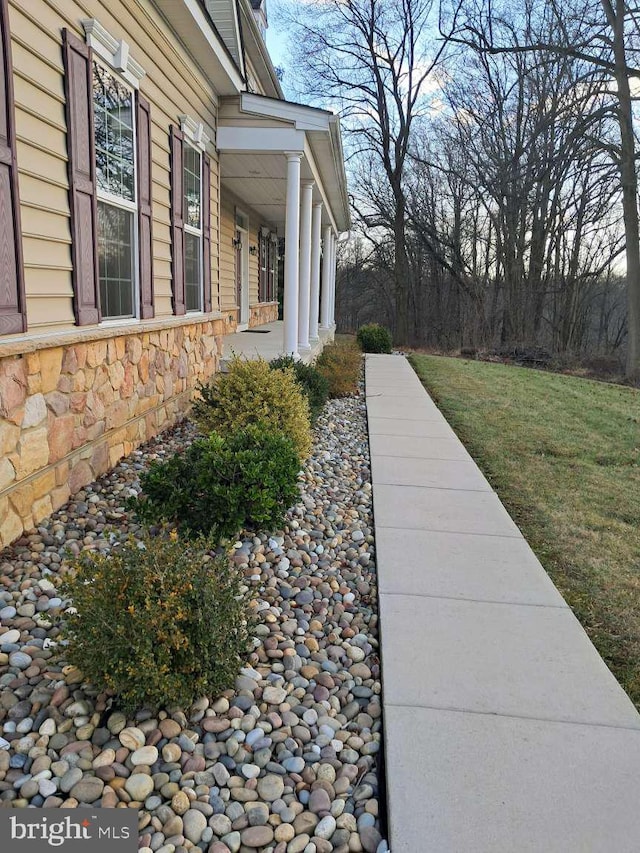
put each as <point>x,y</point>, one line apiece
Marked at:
<point>267,342</point>
<point>504,729</point>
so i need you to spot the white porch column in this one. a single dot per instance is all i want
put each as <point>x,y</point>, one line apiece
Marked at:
<point>326,279</point>
<point>291,254</point>
<point>316,230</point>
<point>305,267</point>
<point>332,291</point>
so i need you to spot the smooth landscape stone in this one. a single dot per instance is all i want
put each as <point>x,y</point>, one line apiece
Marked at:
<point>169,728</point>
<point>270,787</point>
<point>302,724</point>
<point>220,824</point>
<point>171,752</point>
<point>194,823</point>
<point>274,695</point>
<point>20,660</point>
<point>88,789</point>
<point>147,755</point>
<point>370,839</point>
<point>326,827</point>
<point>255,837</point>
<point>180,803</point>
<point>70,778</point>
<point>139,786</point>
<point>319,801</point>
<point>9,637</point>
<point>132,738</point>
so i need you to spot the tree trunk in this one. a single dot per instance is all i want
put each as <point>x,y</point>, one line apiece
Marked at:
<point>629,190</point>
<point>401,275</point>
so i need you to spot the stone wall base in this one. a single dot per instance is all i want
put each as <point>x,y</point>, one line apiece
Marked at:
<point>266,312</point>
<point>68,413</point>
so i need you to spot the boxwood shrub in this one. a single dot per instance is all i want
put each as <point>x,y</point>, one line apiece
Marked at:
<point>313,384</point>
<point>374,338</point>
<point>250,392</point>
<point>158,622</point>
<point>222,484</point>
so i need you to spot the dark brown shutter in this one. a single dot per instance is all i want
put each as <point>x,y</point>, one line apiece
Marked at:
<point>12,302</point>
<point>177,220</point>
<point>206,231</point>
<point>261,268</point>
<point>145,236</point>
<point>82,177</point>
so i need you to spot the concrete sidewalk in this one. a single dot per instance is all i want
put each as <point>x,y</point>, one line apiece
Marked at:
<point>505,731</point>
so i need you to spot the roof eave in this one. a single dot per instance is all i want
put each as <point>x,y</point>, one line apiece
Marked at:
<point>257,50</point>
<point>191,24</point>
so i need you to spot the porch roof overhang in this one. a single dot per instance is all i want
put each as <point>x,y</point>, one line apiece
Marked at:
<point>252,137</point>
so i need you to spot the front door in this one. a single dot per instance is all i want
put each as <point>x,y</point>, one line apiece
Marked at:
<point>242,275</point>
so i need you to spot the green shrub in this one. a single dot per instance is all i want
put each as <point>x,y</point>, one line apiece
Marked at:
<point>158,622</point>
<point>222,484</point>
<point>313,384</point>
<point>340,364</point>
<point>374,338</point>
<point>250,392</point>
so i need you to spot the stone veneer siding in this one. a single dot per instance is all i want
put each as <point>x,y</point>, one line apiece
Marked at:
<point>266,312</point>
<point>69,412</point>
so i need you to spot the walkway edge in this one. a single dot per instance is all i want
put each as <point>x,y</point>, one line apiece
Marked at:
<point>504,728</point>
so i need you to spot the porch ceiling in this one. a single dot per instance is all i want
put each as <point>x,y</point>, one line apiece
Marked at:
<point>260,180</point>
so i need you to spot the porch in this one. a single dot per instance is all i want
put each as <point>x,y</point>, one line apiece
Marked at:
<point>281,167</point>
<point>267,341</point>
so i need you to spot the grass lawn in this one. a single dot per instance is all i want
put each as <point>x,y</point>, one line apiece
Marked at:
<point>564,455</point>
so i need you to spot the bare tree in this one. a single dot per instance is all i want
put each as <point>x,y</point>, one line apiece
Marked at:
<point>605,35</point>
<point>373,60</point>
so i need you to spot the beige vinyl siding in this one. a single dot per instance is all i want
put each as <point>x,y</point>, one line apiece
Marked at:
<point>254,262</point>
<point>227,254</point>
<point>173,85</point>
<point>42,166</point>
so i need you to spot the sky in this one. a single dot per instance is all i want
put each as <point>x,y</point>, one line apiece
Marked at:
<point>276,41</point>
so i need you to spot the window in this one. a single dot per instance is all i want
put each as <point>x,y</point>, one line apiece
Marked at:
<point>263,261</point>
<point>268,265</point>
<point>272,273</point>
<point>192,207</point>
<point>190,217</point>
<point>114,128</point>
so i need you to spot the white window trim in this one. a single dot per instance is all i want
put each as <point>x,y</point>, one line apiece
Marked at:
<point>199,233</point>
<point>115,52</point>
<point>194,132</point>
<point>131,207</point>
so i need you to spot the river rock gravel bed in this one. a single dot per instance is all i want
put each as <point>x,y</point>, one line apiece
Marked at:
<point>286,762</point>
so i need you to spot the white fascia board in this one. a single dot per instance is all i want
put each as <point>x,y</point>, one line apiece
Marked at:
<point>194,28</point>
<point>256,140</point>
<point>304,118</point>
<point>317,177</point>
<point>337,151</point>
